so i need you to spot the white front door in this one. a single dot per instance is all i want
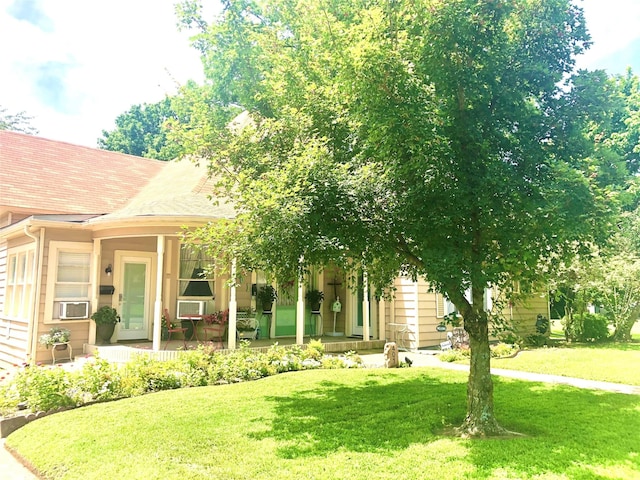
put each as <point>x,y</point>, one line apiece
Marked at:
<point>133,293</point>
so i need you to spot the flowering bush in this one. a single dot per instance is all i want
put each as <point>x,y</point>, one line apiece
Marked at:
<point>220,317</point>
<point>43,388</point>
<point>55,335</point>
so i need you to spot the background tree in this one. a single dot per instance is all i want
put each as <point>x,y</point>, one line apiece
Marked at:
<point>142,131</point>
<point>430,138</point>
<point>17,122</point>
<point>609,277</point>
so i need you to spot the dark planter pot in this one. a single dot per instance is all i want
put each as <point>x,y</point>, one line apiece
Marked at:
<point>104,332</point>
<point>189,326</point>
<point>315,307</point>
<point>164,333</point>
<point>266,307</point>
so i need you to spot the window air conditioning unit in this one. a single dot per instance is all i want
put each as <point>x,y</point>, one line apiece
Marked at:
<point>191,307</point>
<point>74,310</point>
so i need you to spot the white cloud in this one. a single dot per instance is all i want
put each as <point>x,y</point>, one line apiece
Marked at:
<point>614,25</point>
<point>97,58</point>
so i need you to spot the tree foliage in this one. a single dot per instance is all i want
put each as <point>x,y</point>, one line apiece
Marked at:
<point>142,131</point>
<point>17,122</point>
<point>609,277</point>
<point>428,137</point>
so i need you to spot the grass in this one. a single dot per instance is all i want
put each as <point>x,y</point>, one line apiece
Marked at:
<point>339,424</point>
<point>608,362</point>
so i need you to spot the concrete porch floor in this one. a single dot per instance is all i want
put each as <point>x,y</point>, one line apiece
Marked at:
<point>122,351</point>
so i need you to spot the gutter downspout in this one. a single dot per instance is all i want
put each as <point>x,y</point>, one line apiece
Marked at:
<point>35,293</point>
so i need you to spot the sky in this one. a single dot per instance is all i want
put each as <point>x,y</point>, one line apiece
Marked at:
<point>75,65</point>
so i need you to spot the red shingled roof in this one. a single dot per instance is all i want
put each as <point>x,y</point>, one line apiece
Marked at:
<point>46,176</point>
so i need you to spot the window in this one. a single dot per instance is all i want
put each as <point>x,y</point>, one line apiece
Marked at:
<point>69,275</point>
<point>72,279</point>
<point>19,283</point>
<point>196,273</point>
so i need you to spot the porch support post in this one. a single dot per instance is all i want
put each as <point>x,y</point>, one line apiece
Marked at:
<point>95,299</point>
<point>382,319</point>
<point>157,306</point>
<point>365,307</point>
<point>300,307</point>
<point>233,309</point>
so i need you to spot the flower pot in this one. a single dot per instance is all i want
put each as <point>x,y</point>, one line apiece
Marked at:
<point>104,332</point>
<point>61,346</point>
<point>164,333</point>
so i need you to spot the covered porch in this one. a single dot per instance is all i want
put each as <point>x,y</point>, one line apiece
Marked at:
<point>149,275</point>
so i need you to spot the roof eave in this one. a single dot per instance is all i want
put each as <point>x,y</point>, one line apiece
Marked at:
<point>17,229</point>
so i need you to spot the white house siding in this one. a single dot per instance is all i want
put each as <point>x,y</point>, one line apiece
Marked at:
<point>13,332</point>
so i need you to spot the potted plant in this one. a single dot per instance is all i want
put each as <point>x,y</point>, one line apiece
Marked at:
<point>247,328</point>
<point>266,296</point>
<point>106,318</point>
<point>314,298</point>
<point>56,336</point>
<point>164,328</point>
<point>217,318</point>
<point>215,324</point>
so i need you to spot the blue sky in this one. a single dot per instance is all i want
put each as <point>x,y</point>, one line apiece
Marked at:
<point>75,65</point>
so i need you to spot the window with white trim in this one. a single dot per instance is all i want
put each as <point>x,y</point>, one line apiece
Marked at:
<point>69,275</point>
<point>19,282</point>
<point>196,277</point>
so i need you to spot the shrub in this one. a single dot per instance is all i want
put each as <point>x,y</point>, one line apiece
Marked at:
<point>315,350</point>
<point>452,356</point>
<point>47,388</point>
<point>42,388</point>
<point>595,328</point>
<point>536,340</point>
<point>143,375</point>
<point>500,350</point>
<point>587,327</point>
<point>98,380</point>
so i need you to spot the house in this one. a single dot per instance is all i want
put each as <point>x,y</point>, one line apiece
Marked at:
<point>81,228</point>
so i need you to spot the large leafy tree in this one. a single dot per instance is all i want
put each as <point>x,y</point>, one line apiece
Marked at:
<point>17,122</point>
<point>141,131</point>
<point>428,137</point>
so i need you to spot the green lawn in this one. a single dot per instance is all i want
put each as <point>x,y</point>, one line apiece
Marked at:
<point>340,424</point>
<point>607,362</point>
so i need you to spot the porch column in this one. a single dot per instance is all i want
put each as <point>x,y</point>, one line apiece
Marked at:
<point>95,299</point>
<point>157,306</point>
<point>382,319</point>
<point>365,307</point>
<point>233,308</point>
<point>300,308</point>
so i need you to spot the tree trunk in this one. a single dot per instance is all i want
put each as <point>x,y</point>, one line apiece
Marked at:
<point>623,329</point>
<point>622,334</point>
<point>480,420</point>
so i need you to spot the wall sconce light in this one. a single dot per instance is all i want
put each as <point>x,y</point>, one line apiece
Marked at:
<point>108,270</point>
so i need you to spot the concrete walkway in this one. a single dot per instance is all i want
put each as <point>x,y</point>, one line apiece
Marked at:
<point>429,359</point>
<point>12,469</point>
